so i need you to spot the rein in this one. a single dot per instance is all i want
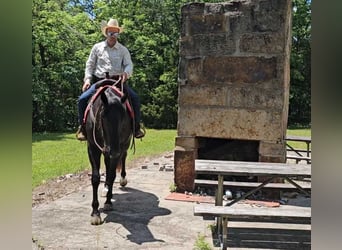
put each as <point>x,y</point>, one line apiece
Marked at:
<point>118,91</point>
<point>94,137</point>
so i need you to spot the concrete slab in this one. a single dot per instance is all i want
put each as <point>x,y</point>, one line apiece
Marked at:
<point>143,218</point>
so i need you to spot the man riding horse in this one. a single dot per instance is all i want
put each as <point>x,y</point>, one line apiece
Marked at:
<point>112,58</point>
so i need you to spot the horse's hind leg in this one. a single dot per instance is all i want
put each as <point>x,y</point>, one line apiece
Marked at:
<point>123,180</point>
<point>94,156</point>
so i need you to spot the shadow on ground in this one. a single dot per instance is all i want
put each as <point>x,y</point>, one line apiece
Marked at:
<point>134,209</point>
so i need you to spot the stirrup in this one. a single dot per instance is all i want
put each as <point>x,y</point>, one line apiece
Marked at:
<point>138,133</point>
<point>80,135</point>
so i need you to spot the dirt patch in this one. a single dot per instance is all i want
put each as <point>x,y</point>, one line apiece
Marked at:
<point>70,183</point>
<point>59,187</point>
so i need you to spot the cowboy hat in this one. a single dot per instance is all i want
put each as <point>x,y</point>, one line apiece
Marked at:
<point>112,23</point>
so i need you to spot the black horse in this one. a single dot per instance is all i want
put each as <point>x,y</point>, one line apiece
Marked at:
<point>108,132</point>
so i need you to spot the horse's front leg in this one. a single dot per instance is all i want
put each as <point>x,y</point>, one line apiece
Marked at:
<point>110,177</point>
<point>123,180</point>
<point>94,157</point>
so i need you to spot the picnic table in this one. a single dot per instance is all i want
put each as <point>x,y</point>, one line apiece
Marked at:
<point>299,154</point>
<point>269,170</point>
<point>242,168</point>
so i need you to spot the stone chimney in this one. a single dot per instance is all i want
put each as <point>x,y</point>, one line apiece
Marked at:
<point>233,83</point>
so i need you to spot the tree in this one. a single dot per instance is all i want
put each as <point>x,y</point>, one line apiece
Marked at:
<point>152,29</point>
<point>300,87</point>
<point>59,50</point>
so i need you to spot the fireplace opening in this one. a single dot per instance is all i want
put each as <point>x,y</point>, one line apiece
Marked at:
<point>230,150</point>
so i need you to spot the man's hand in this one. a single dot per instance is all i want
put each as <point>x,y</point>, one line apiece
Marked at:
<point>124,77</point>
<point>86,85</point>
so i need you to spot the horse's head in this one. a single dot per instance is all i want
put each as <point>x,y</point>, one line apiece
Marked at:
<point>115,121</point>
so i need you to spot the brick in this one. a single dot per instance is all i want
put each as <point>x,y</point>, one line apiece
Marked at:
<point>272,148</point>
<point>214,8</point>
<point>196,25</point>
<point>266,17</point>
<point>194,71</point>
<point>184,169</point>
<point>193,8</point>
<point>262,43</point>
<point>239,23</point>
<point>215,23</point>
<point>272,158</point>
<point>247,96</point>
<point>240,69</point>
<point>202,95</point>
<point>240,124</point>
<point>233,6</point>
<point>187,142</point>
<point>207,45</point>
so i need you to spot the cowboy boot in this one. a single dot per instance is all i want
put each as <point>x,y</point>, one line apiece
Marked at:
<point>80,134</point>
<point>138,133</point>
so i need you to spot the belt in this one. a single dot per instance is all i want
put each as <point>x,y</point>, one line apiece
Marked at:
<point>96,79</point>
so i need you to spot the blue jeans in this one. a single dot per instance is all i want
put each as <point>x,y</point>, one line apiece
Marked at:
<point>86,95</point>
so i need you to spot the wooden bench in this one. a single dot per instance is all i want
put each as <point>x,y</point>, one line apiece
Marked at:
<point>249,185</point>
<point>268,170</point>
<point>299,154</point>
<point>299,158</point>
<point>239,168</point>
<point>225,213</point>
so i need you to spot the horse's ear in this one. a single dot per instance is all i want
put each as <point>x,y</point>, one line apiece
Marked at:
<point>104,98</point>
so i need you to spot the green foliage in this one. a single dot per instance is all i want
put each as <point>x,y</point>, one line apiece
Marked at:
<point>161,112</point>
<point>201,244</point>
<point>151,34</point>
<point>59,50</point>
<point>63,32</point>
<point>173,187</point>
<point>300,88</point>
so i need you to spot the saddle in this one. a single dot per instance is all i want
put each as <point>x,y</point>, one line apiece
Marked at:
<point>98,92</point>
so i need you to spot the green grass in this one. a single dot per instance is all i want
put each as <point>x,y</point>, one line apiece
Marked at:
<point>56,154</point>
<point>201,244</point>
<point>299,132</point>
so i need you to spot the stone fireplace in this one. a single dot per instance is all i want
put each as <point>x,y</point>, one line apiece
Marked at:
<point>233,83</point>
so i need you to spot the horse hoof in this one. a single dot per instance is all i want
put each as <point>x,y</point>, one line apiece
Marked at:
<point>96,220</point>
<point>123,182</point>
<point>104,192</point>
<point>107,207</point>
